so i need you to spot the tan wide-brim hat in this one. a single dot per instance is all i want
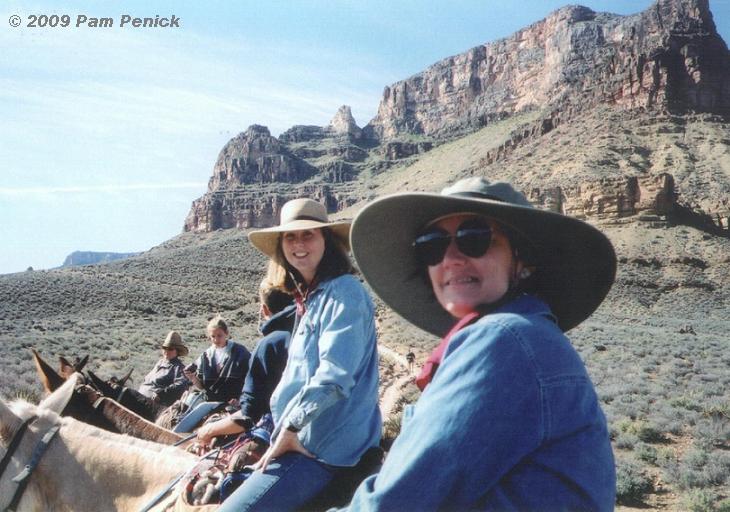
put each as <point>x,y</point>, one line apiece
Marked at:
<point>174,340</point>
<point>575,264</point>
<point>297,215</point>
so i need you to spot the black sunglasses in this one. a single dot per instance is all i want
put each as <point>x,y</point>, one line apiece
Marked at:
<point>472,238</point>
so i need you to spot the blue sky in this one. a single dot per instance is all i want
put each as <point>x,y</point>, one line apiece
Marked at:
<point>108,134</point>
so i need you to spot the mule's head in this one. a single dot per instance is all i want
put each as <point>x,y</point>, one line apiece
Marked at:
<point>78,402</point>
<point>67,368</point>
<point>107,388</point>
<point>123,380</point>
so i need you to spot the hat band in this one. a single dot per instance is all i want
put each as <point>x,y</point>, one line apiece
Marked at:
<point>308,217</point>
<point>479,195</point>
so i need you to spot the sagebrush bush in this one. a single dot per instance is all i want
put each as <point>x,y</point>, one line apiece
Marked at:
<point>699,500</point>
<point>632,483</point>
<point>646,453</point>
<point>699,469</point>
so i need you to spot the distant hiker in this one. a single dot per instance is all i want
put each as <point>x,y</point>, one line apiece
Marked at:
<point>165,383</point>
<point>410,358</point>
<point>325,407</point>
<point>267,363</point>
<point>219,372</point>
<point>508,419</point>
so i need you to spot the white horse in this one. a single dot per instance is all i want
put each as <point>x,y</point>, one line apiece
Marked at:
<point>84,467</point>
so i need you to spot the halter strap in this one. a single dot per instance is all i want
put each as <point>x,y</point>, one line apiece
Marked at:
<point>15,442</point>
<point>40,448</point>
<point>24,476</point>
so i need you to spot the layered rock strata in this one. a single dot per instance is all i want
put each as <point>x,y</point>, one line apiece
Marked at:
<point>668,59</point>
<point>669,56</point>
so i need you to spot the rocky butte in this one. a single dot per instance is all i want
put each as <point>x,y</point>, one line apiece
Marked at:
<point>662,71</point>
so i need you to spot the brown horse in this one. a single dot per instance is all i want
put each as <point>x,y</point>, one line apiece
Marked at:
<point>87,405</point>
<point>84,468</point>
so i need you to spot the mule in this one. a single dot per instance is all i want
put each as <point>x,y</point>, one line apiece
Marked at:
<point>84,468</point>
<point>87,405</point>
<point>130,398</point>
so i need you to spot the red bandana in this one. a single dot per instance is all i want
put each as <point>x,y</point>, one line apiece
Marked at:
<point>434,360</point>
<point>300,298</point>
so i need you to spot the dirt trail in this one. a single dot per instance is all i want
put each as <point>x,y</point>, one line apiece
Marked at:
<point>394,381</point>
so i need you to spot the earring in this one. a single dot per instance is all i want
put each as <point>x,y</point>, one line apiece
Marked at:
<point>525,273</point>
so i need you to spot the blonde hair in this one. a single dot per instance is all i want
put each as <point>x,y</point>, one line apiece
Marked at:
<point>217,322</point>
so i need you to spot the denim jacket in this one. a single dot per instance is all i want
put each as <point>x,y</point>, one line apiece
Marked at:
<point>510,421</point>
<point>329,388</point>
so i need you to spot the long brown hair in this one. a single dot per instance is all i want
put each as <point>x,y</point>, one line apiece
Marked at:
<point>335,262</point>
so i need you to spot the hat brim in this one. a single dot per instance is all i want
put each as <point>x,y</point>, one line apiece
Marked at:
<point>182,350</point>
<point>576,263</point>
<point>265,240</point>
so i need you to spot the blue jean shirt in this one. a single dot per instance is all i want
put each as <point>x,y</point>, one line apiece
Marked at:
<point>329,388</point>
<point>510,421</point>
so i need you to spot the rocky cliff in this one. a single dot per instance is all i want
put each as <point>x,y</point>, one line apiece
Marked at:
<point>669,56</point>
<point>77,258</point>
<point>666,62</point>
<point>256,173</point>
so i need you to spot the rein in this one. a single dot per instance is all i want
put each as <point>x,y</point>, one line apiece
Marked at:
<point>40,448</point>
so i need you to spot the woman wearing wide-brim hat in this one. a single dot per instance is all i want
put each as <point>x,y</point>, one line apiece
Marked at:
<point>325,407</point>
<point>508,418</point>
<point>165,383</point>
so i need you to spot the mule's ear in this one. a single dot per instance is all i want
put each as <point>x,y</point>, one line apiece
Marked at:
<point>66,367</point>
<point>124,380</point>
<point>49,378</point>
<point>59,399</point>
<point>104,388</point>
<point>80,364</point>
<point>9,423</point>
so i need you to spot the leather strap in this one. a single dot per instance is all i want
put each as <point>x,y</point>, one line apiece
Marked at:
<point>15,442</point>
<point>24,476</point>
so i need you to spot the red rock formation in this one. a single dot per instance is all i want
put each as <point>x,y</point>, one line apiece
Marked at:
<point>669,56</point>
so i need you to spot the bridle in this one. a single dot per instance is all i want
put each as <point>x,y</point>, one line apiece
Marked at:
<point>23,477</point>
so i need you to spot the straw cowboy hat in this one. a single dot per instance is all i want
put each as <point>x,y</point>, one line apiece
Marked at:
<point>575,264</point>
<point>296,215</point>
<point>174,340</point>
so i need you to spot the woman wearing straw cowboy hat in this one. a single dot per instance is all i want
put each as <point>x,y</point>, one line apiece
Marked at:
<point>509,419</point>
<point>166,382</point>
<point>325,407</point>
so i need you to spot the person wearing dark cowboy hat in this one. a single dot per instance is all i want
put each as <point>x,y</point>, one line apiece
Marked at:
<point>325,407</point>
<point>165,383</point>
<point>508,418</point>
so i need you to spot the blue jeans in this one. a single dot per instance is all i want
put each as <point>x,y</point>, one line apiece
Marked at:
<point>288,483</point>
<point>195,416</point>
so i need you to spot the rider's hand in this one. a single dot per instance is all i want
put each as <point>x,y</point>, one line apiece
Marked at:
<point>286,441</point>
<point>205,434</point>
